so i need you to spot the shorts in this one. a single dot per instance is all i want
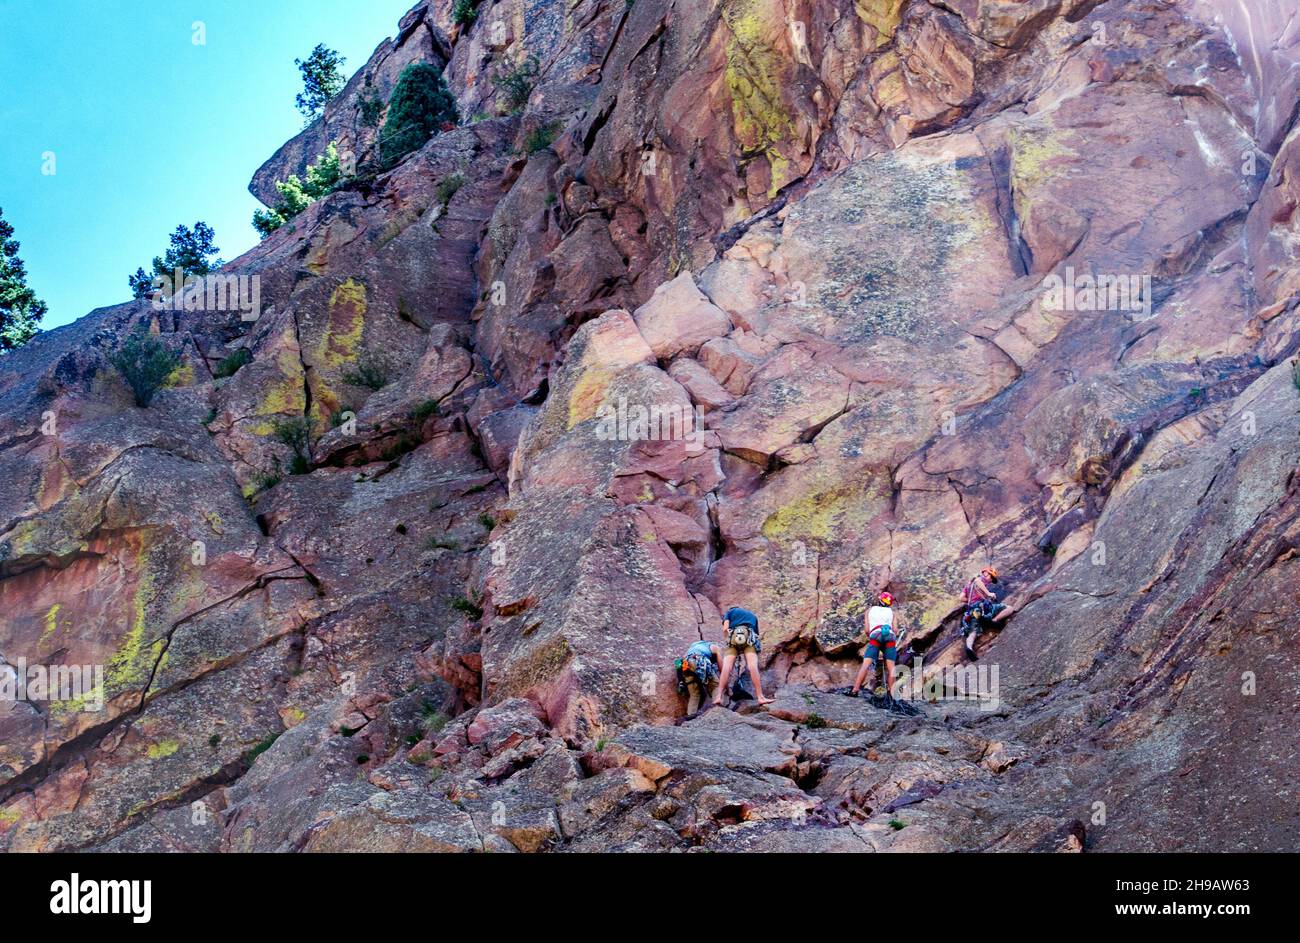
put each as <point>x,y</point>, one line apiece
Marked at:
<point>696,695</point>
<point>881,642</point>
<point>978,613</point>
<point>752,646</point>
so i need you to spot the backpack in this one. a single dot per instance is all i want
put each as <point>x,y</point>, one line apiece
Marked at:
<point>738,637</point>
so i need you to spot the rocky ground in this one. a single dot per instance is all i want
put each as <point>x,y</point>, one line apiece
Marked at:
<point>826,225</point>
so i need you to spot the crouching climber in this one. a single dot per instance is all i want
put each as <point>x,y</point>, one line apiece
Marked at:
<point>740,631</point>
<point>698,674</point>
<point>883,632</point>
<point>982,609</point>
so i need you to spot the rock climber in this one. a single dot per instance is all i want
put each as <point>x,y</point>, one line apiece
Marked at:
<point>982,607</point>
<point>883,632</point>
<point>740,632</point>
<point>698,674</point>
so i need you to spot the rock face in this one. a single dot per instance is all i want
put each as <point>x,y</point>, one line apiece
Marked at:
<point>799,302</point>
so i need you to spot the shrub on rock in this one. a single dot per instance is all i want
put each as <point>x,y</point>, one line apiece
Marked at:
<point>419,106</point>
<point>323,178</point>
<point>145,364</point>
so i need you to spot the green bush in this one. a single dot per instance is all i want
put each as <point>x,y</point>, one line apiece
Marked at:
<point>260,748</point>
<point>431,719</point>
<point>515,83</point>
<point>145,364</point>
<point>229,366</point>
<point>404,444</point>
<point>269,479</point>
<point>541,137</point>
<point>369,372</point>
<point>426,409</point>
<point>371,107</point>
<point>464,13</point>
<point>419,106</point>
<point>295,432</point>
<point>448,187</point>
<point>323,178</point>
<point>467,607</point>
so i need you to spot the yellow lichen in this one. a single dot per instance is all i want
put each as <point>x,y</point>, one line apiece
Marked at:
<point>181,376</point>
<point>22,539</point>
<point>1033,152</point>
<point>756,78</point>
<point>347,321</point>
<point>822,513</point>
<point>161,749</point>
<point>587,395</point>
<point>337,346</point>
<point>882,16</point>
<point>284,396</point>
<point>131,663</point>
<point>51,623</point>
<point>77,704</point>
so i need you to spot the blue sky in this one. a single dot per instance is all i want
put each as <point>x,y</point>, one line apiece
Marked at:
<point>149,130</point>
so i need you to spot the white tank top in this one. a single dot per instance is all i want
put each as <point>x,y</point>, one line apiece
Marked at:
<point>880,615</point>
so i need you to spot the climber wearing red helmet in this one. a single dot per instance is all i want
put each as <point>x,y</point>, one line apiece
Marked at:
<point>883,632</point>
<point>982,609</point>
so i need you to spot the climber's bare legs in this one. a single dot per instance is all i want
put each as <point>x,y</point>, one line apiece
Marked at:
<point>862,676</point>
<point>751,662</point>
<point>724,685</point>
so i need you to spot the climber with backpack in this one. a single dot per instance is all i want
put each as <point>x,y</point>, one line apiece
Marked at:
<point>982,609</point>
<point>883,633</point>
<point>698,674</point>
<point>740,634</point>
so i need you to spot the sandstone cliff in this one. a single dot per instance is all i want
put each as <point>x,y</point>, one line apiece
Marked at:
<point>827,225</point>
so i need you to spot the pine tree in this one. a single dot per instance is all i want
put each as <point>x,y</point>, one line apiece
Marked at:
<point>419,106</point>
<point>145,364</point>
<point>321,80</point>
<point>20,309</point>
<point>189,252</point>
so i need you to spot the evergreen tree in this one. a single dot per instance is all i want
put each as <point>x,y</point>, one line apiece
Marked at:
<point>145,364</point>
<point>189,252</point>
<point>20,309</point>
<point>321,80</point>
<point>419,106</point>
